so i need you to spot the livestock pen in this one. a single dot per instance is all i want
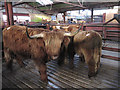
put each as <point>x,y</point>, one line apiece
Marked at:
<point>64,77</point>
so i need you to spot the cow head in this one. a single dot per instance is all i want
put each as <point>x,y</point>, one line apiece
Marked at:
<point>54,41</point>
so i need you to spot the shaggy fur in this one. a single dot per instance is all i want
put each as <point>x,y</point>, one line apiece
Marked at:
<point>88,44</point>
<point>18,46</point>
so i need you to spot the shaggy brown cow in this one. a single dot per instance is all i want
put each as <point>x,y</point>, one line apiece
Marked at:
<point>87,44</point>
<point>39,45</point>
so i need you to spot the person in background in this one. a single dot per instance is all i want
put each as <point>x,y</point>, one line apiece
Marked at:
<point>15,22</point>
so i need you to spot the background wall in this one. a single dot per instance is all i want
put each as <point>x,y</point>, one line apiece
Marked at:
<point>39,17</point>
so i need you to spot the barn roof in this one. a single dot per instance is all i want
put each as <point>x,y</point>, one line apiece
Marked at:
<point>63,6</point>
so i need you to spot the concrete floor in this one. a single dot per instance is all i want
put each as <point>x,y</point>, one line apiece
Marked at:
<point>62,77</point>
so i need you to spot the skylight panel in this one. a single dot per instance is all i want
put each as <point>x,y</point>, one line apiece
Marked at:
<point>39,1</point>
<point>44,2</point>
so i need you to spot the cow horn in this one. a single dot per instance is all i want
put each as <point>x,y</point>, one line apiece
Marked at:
<point>72,34</point>
<point>38,35</point>
<point>34,36</point>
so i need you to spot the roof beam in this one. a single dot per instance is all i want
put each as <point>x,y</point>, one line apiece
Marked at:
<point>101,4</point>
<point>3,7</point>
<point>74,4</point>
<point>37,8</point>
<point>61,10</point>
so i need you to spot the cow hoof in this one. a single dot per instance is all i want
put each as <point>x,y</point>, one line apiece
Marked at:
<point>71,66</point>
<point>97,72</point>
<point>9,66</point>
<point>43,77</point>
<point>44,80</point>
<point>92,75</point>
<point>89,76</point>
<point>66,61</point>
<point>60,62</point>
<point>23,65</point>
<point>82,60</point>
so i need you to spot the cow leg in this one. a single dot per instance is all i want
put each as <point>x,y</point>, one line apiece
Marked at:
<point>71,59</point>
<point>42,70</point>
<point>8,59</point>
<point>97,55</point>
<point>71,62</point>
<point>97,65</point>
<point>91,68</point>
<point>20,62</point>
<point>82,58</point>
<point>61,58</point>
<point>89,59</point>
<point>71,53</point>
<point>97,58</point>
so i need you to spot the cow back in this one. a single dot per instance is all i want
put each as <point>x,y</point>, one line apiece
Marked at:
<point>16,40</point>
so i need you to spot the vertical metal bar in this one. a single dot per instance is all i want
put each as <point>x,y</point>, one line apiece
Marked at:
<point>7,13</point>
<point>64,17</point>
<point>92,15</point>
<point>48,26</point>
<point>104,15</point>
<point>84,28</point>
<point>10,10</point>
<point>104,32</point>
<point>56,18</point>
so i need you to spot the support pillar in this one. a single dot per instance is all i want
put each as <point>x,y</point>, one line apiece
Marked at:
<point>7,14</point>
<point>119,9</point>
<point>10,10</point>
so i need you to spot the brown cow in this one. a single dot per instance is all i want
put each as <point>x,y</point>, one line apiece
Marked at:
<point>70,28</point>
<point>87,44</point>
<point>39,45</point>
